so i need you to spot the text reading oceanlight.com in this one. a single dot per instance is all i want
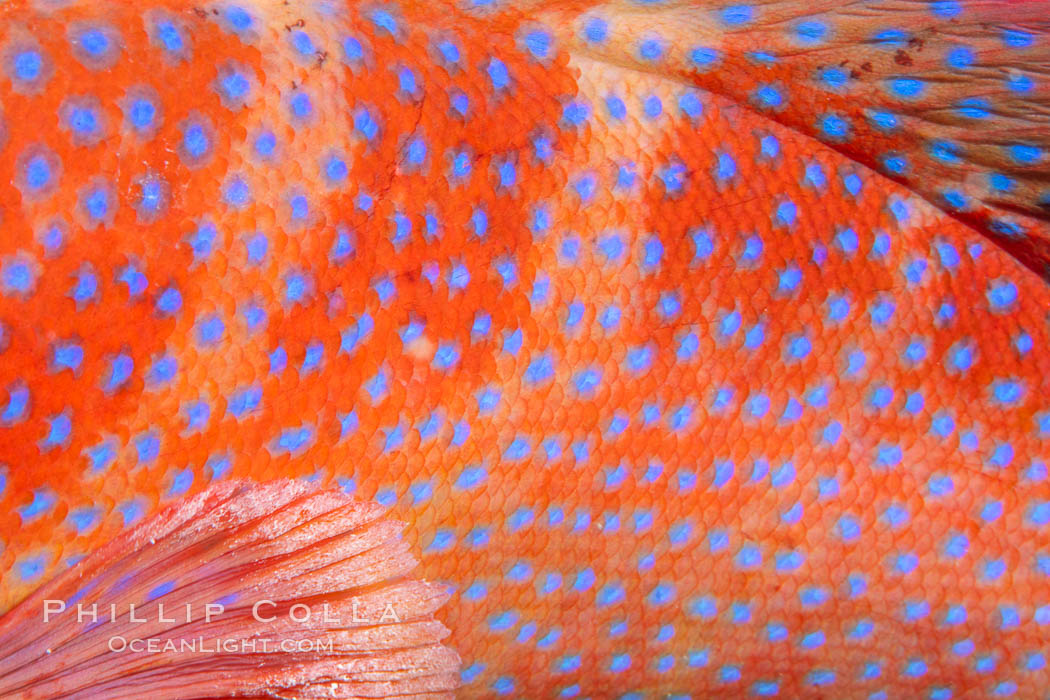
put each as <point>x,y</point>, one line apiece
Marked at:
<point>200,645</point>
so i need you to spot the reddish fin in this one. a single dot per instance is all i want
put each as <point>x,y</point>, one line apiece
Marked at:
<point>235,545</point>
<point>950,98</point>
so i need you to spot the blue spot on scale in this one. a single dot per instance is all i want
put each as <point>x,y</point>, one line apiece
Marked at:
<point>652,107</point>
<point>169,37</point>
<point>210,330</point>
<point>538,43</point>
<point>834,78</point>
<point>1020,83</point>
<point>442,541</point>
<point>449,51</point>
<point>234,87</point>
<point>762,58</point>
<point>725,168</point>
<point>1001,294</point>
<point>195,140</point>
<point>265,144</point>
<point>60,427</point>
<point>946,8</point>
<point>18,275</point>
<point>703,57</point>
<point>596,30</point>
<point>39,171</point>
<point>650,49</point>
<point>737,15</point>
<point>961,57</point>
<point>498,74</point>
<point>576,113</point>
<point>1007,392</point>
<point>31,568</point>
<point>1016,38</point>
<point>120,370</point>
<point>83,120</point>
<point>27,65</point>
<point>142,113</point>
<point>384,20</point>
<point>43,501</point>
<point>238,18</point>
<point>302,43</point>
<point>768,96</point>
<point>237,193</point>
<point>336,169</point>
<point>94,42</point>
<point>1025,154</point>
<point>811,32</point>
<point>891,38</point>
<point>301,106</point>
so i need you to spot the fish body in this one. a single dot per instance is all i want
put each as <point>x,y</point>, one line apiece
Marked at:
<point>702,348</point>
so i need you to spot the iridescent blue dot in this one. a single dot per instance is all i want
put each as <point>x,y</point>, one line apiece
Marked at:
<point>650,49</point>
<point>170,37</point>
<point>703,57</point>
<point>28,65</point>
<point>737,15</point>
<point>596,30</point>
<point>195,140</point>
<point>142,112</point>
<point>94,41</point>
<point>301,106</point>
<point>961,57</point>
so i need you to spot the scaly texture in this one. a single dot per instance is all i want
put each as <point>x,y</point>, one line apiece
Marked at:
<point>699,345</point>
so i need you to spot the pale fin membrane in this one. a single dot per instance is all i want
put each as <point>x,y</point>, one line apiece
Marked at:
<point>321,577</point>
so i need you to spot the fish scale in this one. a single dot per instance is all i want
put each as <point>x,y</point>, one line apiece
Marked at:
<point>681,391</point>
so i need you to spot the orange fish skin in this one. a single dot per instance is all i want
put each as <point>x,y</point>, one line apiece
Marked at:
<point>680,399</point>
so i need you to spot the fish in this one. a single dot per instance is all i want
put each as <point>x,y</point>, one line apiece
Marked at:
<point>701,347</point>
